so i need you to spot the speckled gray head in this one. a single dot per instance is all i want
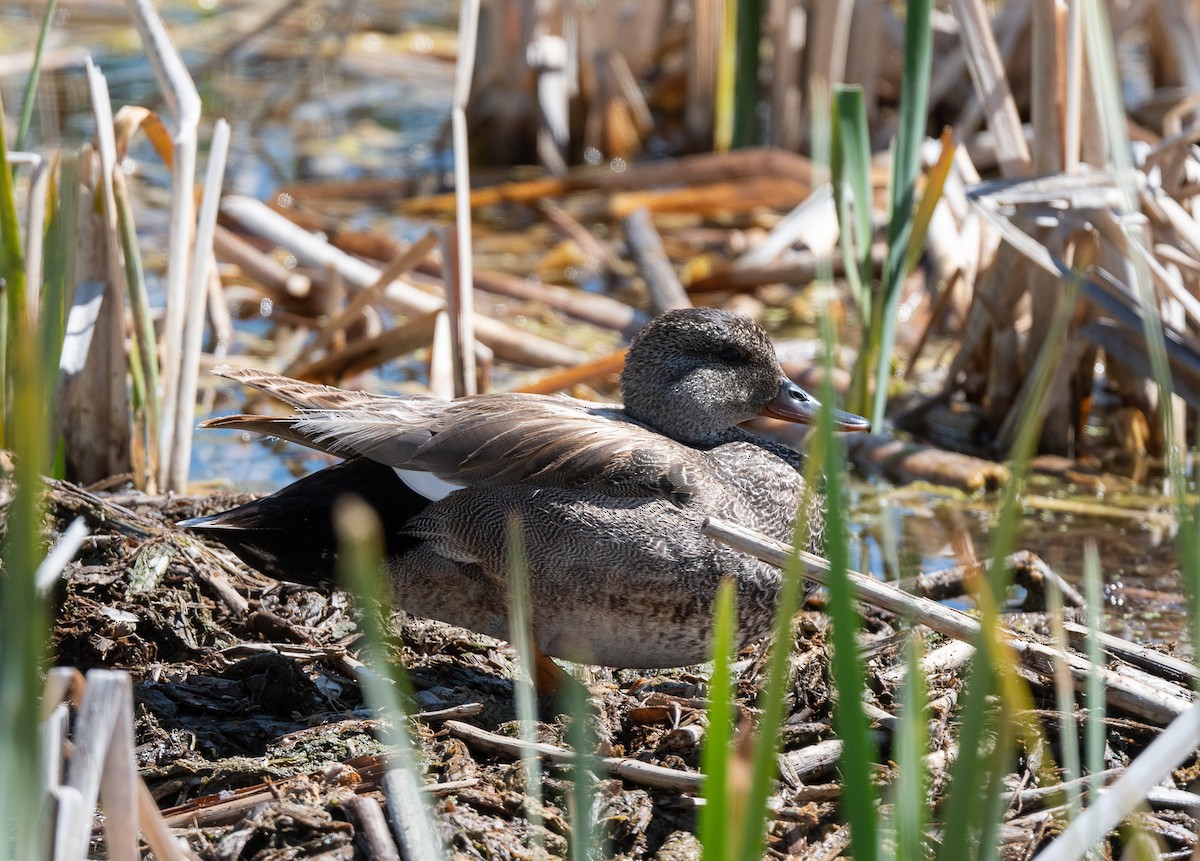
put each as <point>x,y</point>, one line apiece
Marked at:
<point>694,373</point>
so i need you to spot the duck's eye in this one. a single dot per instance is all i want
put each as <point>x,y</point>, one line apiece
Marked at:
<point>730,354</point>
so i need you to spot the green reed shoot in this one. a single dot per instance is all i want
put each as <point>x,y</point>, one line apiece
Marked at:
<point>520,626</point>
<point>29,96</point>
<point>12,270</point>
<point>849,673</point>
<point>909,811</point>
<point>581,798</point>
<point>723,816</point>
<point>24,621</point>
<point>385,686</point>
<point>745,87</point>
<point>1094,687</point>
<point>906,163</point>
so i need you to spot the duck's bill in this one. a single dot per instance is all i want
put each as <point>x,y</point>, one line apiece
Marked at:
<point>793,404</point>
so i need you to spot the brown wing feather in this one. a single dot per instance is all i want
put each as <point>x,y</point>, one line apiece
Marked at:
<point>296,393</point>
<point>277,426</point>
<point>479,440</point>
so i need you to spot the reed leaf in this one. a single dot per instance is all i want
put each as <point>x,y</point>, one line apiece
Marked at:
<point>849,673</point>
<point>35,71</point>
<point>745,89</point>
<point>1064,701</point>
<point>59,260</point>
<point>912,741</point>
<point>585,840</point>
<point>771,700</point>
<point>906,162</point>
<point>1095,699</point>
<point>935,183</point>
<point>143,353</point>
<point>520,626</point>
<point>850,162</point>
<point>12,270</point>
<point>360,547</point>
<point>721,817</point>
<point>24,620</point>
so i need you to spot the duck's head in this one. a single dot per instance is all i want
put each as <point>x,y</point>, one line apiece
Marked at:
<point>694,373</point>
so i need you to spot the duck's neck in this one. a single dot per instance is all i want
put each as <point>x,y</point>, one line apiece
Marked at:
<point>681,427</point>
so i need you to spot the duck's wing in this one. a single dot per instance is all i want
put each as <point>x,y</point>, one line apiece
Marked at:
<point>478,440</point>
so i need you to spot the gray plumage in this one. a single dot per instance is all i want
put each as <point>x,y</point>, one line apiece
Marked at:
<point>611,499</point>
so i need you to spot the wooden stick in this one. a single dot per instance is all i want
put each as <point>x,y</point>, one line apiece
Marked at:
<point>632,770</point>
<point>786,26</point>
<point>373,829</point>
<point>800,269</point>
<point>588,371</point>
<point>666,293</point>
<point>595,308</point>
<point>509,343</point>
<point>1046,88</point>
<point>1149,659</point>
<point>1154,700</point>
<point>401,264</point>
<point>903,462</point>
<point>600,252</point>
<point>709,199</point>
<point>368,353</point>
<point>734,167</point>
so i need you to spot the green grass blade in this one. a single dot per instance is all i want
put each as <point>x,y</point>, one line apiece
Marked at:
<point>850,677</point>
<point>912,742</point>
<point>914,100</point>
<point>850,160</point>
<point>35,71</point>
<point>720,818</point>
<point>360,544</point>
<point>12,271</point>
<point>745,89</point>
<point>771,701</point>
<point>59,260</point>
<point>143,360</point>
<point>581,739</point>
<point>1094,686</point>
<point>825,468</point>
<point>963,803</point>
<point>1064,701</point>
<point>24,621</point>
<point>520,626</point>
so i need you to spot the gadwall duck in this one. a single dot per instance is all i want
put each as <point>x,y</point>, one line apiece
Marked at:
<point>611,498</point>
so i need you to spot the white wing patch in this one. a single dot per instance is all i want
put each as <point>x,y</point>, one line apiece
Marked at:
<point>427,484</point>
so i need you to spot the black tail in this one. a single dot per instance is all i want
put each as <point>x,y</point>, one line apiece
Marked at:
<point>289,535</point>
